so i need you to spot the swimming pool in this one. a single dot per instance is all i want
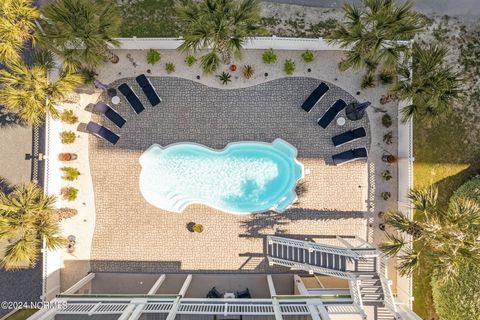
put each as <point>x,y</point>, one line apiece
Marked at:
<point>245,177</point>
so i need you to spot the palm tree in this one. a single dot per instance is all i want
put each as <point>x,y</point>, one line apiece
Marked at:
<point>434,87</point>
<point>17,25</point>
<point>27,217</point>
<point>30,93</point>
<point>221,26</point>
<point>81,31</point>
<point>374,33</point>
<point>446,239</point>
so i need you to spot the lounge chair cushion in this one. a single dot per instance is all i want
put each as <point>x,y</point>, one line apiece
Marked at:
<point>315,96</point>
<point>350,155</point>
<point>331,113</point>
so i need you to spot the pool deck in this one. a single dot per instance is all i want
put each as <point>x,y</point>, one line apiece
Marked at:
<point>132,236</point>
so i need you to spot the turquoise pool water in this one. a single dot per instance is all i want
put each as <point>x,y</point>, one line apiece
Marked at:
<point>245,177</point>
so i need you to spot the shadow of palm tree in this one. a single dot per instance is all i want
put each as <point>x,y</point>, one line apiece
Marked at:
<point>9,119</point>
<point>5,186</point>
<point>258,223</point>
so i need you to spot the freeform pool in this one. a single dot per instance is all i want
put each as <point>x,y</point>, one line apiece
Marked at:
<point>245,177</point>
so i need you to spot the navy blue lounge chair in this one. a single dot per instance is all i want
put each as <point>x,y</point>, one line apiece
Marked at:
<point>131,97</point>
<point>350,155</point>
<point>244,294</point>
<point>102,132</point>
<point>348,136</point>
<point>331,113</point>
<point>214,293</point>
<point>315,96</point>
<point>110,113</point>
<point>148,90</point>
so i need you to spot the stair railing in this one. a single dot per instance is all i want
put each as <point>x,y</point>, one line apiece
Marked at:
<point>354,285</point>
<point>312,246</point>
<point>310,268</point>
<point>389,300</point>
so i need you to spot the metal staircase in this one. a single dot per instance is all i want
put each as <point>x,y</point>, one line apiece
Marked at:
<point>365,268</point>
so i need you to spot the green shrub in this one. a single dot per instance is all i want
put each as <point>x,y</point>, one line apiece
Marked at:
<point>70,173</point>
<point>68,116</point>
<point>269,56</point>
<point>190,61</point>
<point>69,193</point>
<point>197,227</point>
<point>387,175</point>
<point>225,78</point>
<point>460,298</point>
<point>289,66</point>
<point>248,71</point>
<point>67,137</point>
<point>386,77</point>
<point>470,190</point>
<point>368,80</point>
<point>387,120</point>
<point>153,56</point>
<point>308,56</point>
<point>169,67</point>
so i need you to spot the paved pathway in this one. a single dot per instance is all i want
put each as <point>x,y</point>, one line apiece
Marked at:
<point>132,235</point>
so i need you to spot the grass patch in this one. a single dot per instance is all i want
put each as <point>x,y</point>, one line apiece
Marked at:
<point>22,314</point>
<point>149,18</point>
<point>444,156</point>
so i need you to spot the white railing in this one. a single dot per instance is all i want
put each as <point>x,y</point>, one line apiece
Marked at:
<point>354,285</point>
<point>278,43</point>
<point>388,299</point>
<point>311,269</point>
<point>311,246</point>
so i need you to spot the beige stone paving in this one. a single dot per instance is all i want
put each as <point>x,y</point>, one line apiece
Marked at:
<point>132,235</point>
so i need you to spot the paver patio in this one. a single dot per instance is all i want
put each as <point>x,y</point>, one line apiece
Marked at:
<point>131,235</point>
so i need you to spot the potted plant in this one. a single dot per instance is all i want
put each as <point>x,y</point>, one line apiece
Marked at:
<point>387,175</point>
<point>195,227</point>
<point>233,67</point>
<point>67,156</point>
<point>388,158</point>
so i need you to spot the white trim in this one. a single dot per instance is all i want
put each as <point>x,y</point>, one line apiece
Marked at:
<point>157,284</point>
<point>77,286</point>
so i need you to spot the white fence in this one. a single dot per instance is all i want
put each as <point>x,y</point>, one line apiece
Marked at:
<point>405,183</point>
<point>278,43</point>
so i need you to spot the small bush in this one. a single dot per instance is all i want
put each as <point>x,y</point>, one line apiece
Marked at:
<point>169,67</point>
<point>387,120</point>
<point>69,193</point>
<point>248,71</point>
<point>385,195</point>
<point>65,213</point>
<point>289,66</point>
<point>67,137</point>
<point>269,56</point>
<point>469,190</point>
<point>153,56</point>
<point>386,77</point>
<point>225,78</point>
<point>387,175</point>
<point>70,173</point>
<point>308,56</point>
<point>68,116</point>
<point>388,137</point>
<point>368,81</point>
<point>190,61</point>
<point>198,228</point>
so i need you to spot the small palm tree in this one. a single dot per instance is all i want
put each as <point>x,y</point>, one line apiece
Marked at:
<point>17,24</point>
<point>222,25</point>
<point>27,217</point>
<point>28,91</point>
<point>434,87</point>
<point>373,31</point>
<point>444,238</point>
<point>81,31</point>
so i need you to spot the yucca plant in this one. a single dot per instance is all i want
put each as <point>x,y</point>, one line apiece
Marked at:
<point>220,26</point>
<point>248,71</point>
<point>190,60</point>
<point>308,56</point>
<point>225,78</point>
<point>82,31</point>
<point>169,67</point>
<point>27,216</point>
<point>368,80</point>
<point>446,238</point>
<point>17,23</point>
<point>434,87</point>
<point>269,57</point>
<point>28,91</point>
